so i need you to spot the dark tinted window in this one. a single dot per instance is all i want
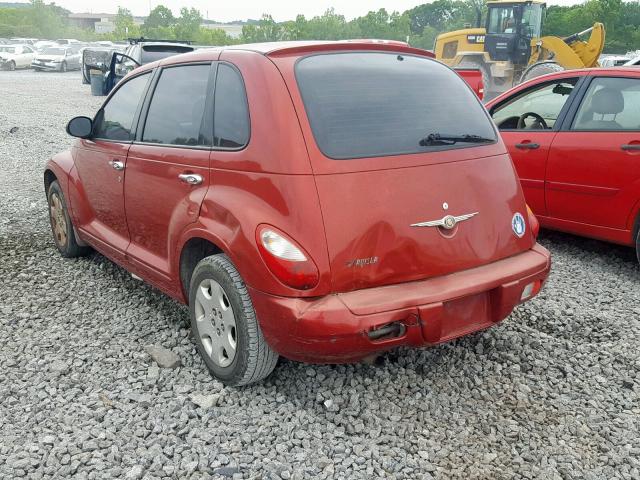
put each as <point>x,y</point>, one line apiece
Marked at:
<point>231,118</point>
<point>151,53</point>
<point>377,104</point>
<point>177,107</point>
<point>115,120</point>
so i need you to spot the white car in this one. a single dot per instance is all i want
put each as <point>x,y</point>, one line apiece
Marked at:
<point>613,60</point>
<point>16,56</point>
<point>60,59</point>
<point>42,44</point>
<point>633,62</point>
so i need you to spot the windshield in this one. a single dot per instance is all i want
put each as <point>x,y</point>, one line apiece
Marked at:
<point>151,53</point>
<point>8,49</point>
<point>379,104</point>
<point>502,20</point>
<point>53,51</point>
<point>532,20</point>
<point>505,20</point>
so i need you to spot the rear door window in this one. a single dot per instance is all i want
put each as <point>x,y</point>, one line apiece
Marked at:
<point>610,104</point>
<point>177,107</point>
<point>379,104</point>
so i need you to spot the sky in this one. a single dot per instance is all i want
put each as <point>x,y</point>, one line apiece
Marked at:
<point>229,10</point>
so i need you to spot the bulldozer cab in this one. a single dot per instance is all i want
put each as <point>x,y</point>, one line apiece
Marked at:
<point>510,27</point>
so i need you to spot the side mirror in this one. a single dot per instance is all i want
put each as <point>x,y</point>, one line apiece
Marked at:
<point>80,127</point>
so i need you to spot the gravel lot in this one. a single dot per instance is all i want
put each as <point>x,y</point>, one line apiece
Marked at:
<point>551,393</point>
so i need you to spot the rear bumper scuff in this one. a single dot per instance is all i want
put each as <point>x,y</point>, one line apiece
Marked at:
<point>335,328</point>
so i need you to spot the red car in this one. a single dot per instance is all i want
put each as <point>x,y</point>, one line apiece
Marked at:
<point>312,200</point>
<point>574,138</point>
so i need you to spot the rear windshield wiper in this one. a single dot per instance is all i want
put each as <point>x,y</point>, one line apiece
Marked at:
<point>439,139</point>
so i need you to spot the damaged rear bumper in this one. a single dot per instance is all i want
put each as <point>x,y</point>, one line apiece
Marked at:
<point>348,327</point>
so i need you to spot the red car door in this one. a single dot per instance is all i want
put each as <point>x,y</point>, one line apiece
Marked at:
<point>100,163</point>
<point>527,123</point>
<point>168,167</point>
<point>593,174</point>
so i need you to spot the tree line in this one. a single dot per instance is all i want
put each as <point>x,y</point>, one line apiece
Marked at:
<point>419,25</point>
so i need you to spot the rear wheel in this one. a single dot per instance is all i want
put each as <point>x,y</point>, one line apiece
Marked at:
<point>538,69</point>
<point>61,226</point>
<point>224,324</point>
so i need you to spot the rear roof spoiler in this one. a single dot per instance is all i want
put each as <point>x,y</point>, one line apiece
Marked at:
<point>134,41</point>
<point>397,47</point>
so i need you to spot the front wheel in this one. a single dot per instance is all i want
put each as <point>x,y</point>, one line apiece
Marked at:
<point>224,324</point>
<point>12,65</point>
<point>61,226</point>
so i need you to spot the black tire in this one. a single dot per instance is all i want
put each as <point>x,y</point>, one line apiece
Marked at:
<point>63,67</point>
<point>12,66</point>
<point>61,222</point>
<point>538,69</point>
<point>253,359</point>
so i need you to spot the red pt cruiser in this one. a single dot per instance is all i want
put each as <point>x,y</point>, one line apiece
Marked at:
<point>323,201</point>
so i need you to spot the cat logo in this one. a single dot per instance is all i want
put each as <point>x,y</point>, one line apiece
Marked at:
<point>475,39</point>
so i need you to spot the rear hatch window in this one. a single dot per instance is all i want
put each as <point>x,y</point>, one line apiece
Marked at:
<point>151,53</point>
<point>374,104</point>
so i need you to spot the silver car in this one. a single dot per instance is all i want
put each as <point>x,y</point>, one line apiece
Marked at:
<point>60,59</point>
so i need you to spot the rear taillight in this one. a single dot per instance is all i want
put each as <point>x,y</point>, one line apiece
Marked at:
<point>533,222</point>
<point>286,259</point>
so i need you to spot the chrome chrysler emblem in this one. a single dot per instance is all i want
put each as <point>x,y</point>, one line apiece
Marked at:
<point>447,222</point>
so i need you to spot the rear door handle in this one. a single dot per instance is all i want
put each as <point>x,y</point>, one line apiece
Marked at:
<point>631,147</point>
<point>116,164</point>
<point>191,178</point>
<point>527,146</point>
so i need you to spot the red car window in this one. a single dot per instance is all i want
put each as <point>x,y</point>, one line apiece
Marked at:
<point>611,103</point>
<point>115,120</point>
<point>177,108</point>
<point>546,100</point>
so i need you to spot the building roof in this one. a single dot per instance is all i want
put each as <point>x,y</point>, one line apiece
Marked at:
<point>91,16</point>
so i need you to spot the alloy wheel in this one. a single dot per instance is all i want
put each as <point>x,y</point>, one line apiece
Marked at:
<point>58,220</point>
<point>215,322</point>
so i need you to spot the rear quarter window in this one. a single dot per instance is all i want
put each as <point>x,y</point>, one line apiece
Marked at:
<point>376,104</point>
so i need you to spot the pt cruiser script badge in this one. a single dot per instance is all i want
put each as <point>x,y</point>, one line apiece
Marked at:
<point>447,222</point>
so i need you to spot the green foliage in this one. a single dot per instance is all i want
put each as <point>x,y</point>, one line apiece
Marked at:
<point>160,16</point>
<point>188,24</point>
<point>266,30</point>
<point>621,20</point>
<point>125,26</point>
<point>420,25</point>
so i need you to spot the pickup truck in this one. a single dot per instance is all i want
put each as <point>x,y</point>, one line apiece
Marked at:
<point>473,77</point>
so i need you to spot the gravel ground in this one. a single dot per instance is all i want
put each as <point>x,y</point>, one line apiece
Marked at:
<point>551,393</point>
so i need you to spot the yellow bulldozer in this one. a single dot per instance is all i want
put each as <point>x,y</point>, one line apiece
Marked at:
<point>510,50</point>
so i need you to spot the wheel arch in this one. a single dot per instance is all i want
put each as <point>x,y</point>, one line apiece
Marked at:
<point>635,217</point>
<point>49,178</point>
<point>195,247</point>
